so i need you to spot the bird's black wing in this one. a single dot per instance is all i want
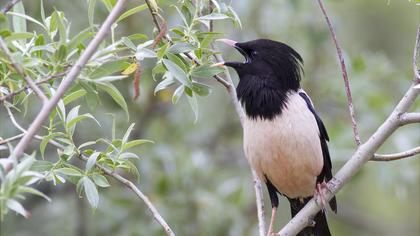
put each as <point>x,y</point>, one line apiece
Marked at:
<point>326,173</point>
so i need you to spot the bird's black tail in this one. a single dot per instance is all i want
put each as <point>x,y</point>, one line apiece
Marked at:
<point>321,225</point>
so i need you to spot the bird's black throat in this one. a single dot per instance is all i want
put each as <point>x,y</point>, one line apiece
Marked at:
<point>260,99</point>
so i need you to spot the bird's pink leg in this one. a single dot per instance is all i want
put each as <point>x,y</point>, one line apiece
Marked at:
<point>319,194</point>
<point>272,220</point>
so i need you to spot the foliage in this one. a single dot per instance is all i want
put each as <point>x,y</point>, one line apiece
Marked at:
<point>52,48</point>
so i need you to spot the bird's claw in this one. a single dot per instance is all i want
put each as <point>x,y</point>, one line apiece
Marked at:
<point>319,194</point>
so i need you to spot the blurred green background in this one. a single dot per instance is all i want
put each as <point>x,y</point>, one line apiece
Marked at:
<point>196,174</point>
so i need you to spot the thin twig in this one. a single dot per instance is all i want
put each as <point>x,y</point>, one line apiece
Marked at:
<point>9,6</point>
<point>409,118</point>
<point>344,73</point>
<point>159,28</point>
<point>71,76</point>
<point>42,81</point>
<point>8,140</point>
<point>396,156</point>
<point>21,72</point>
<point>116,176</point>
<point>415,55</point>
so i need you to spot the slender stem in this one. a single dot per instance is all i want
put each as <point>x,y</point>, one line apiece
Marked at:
<point>415,55</point>
<point>71,76</point>
<point>8,140</point>
<point>43,81</point>
<point>9,6</point>
<point>116,176</point>
<point>409,118</point>
<point>21,72</point>
<point>344,74</point>
<point>396,156</point>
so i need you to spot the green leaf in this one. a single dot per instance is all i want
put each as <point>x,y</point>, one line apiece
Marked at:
<point>74,96</point>
<point>206,71</point>
<point>41,166</point>
<point>136,142</point>
<point>194,106</point>
<point>213,16</point>
<point>17,207</point>
<point>71,124</point>
<point>19,23</point>
<point>180,47</point>
<point>68,171</point>
<point>91,192</point>
<point>109,4</point>
<point>201,89</point>
<point>177,72</point>
<point>45,141</point>
<point>115,94</point>
<point>81,37</point>
<point>132,11</point>
<point>26,17</point>
<point>91,11</point>
<point>101,181</point>
<point>34,192</point>
<point>92,160</point>
<point>165,83</point>
<point>109,68</point>
<point>177,94</point>
<point>128,155</point>
<point>127,133</point>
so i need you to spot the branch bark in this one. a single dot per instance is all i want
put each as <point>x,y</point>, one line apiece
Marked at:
<point>363,154</point>
<point>43,81</point>
<point>21,72</point>
<point>409,118</point>
<point>396,156</point>
<point>66,83</point>
<point>119,178</point>
<point>9,6</point>
<point>228,84</point>
<point>344,74</point>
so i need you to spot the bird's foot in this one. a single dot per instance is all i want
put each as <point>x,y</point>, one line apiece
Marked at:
<point>319,194</point>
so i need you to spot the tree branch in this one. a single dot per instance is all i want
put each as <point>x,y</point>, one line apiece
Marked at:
<point>363,154</point>
<point>21,72</point>
<point>116,176</point>
<point>71,76</point>
<point>344,74</point>
<point>396,156</point>
<point>43,81</point>
<point>409,118</point>
<point>9,6</point>
<point>415,56</point>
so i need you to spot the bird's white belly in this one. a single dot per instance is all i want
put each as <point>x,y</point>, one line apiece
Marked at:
<point>286,150</point>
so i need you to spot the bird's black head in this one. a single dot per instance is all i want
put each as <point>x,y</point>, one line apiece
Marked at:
<point>271,69</point>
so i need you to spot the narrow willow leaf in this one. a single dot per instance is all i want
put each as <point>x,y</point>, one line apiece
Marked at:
<point>68,171</point>
<point>127,133</point>
<point>17,207</point>
<point>132,11</point>
<point>101,181</point>
<point>164,84</point>
<point>134,143</point>
<point>177,94</point>
<point>92,160</point>
<point>91,192</point>
<point>177,72</point>
<point>115,94</point>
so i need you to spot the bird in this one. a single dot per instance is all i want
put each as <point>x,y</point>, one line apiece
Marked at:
<point>284,138</point>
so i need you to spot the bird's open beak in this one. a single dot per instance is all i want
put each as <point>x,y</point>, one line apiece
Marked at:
<point>238,47</point>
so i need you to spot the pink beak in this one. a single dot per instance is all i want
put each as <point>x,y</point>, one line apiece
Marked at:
<point>227,41</point>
